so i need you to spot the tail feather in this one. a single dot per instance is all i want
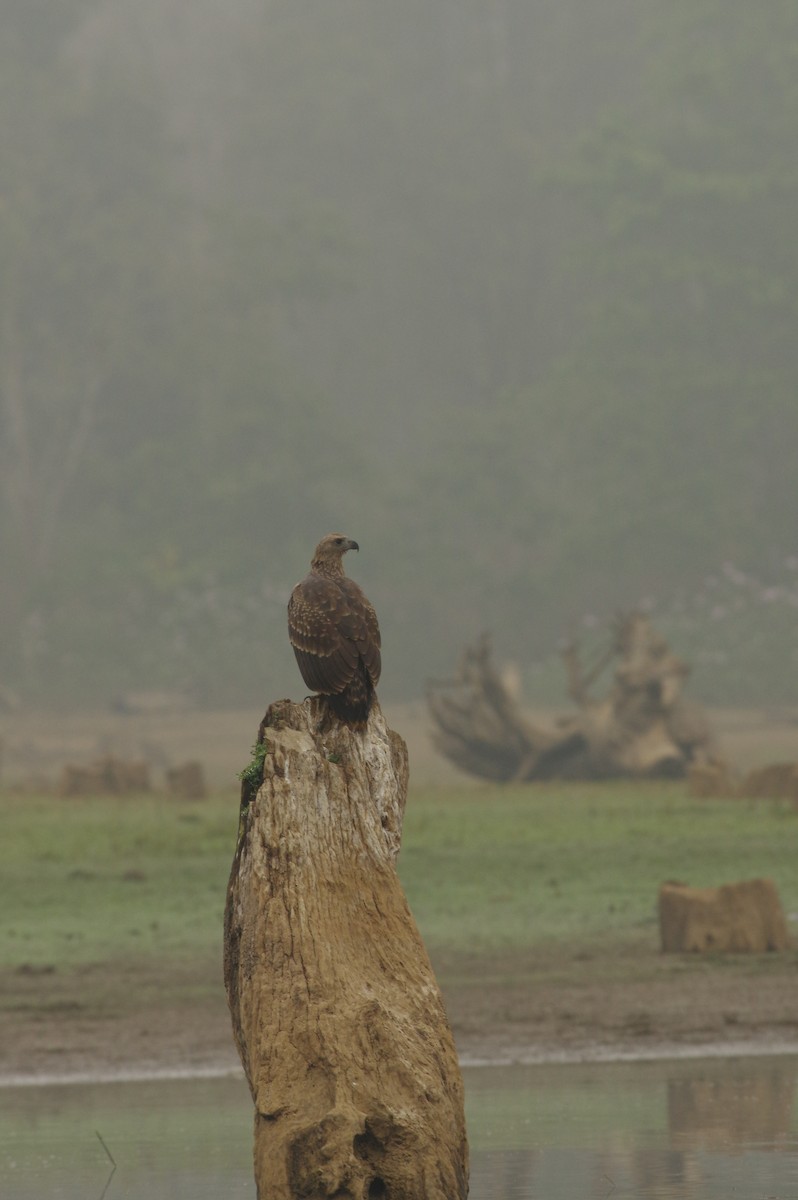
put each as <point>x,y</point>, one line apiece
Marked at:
<point>353,704</point>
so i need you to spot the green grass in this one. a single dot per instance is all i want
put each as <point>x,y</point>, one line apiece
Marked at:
<point>85,881</point>
<point>518,866</point>
<point>99,878</point>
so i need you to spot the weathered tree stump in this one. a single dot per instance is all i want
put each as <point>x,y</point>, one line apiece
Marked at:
<point>735,918</point>
<point>711,780</point>
<point>187,781</point>
<point>108,776</point>
<point>778,781</point>
<point>336,1012</point>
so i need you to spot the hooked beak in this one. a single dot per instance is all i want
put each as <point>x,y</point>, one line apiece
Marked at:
<point>352,545</point>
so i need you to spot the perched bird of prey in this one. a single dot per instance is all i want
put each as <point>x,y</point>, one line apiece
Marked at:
<point>335,634</point>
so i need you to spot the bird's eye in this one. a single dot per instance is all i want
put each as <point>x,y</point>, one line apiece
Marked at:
<point>339,541</point>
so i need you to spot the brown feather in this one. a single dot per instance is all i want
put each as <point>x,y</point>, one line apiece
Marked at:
<point>335,634</point>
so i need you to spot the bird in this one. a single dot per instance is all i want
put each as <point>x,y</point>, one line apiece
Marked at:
<point>335,633</point>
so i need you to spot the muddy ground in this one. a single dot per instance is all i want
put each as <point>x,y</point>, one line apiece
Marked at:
<point>90,1024</point>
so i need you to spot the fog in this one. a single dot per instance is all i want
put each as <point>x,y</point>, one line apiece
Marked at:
<point>505,291</point>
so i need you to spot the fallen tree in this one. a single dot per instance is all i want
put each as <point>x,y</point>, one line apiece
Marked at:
<point>336,1013</point>
<point>641,727</point>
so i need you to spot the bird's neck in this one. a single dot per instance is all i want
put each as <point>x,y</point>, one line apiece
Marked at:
<point>331,570</point>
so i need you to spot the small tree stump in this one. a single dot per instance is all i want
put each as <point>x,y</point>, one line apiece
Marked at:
<point>336,1012</point>
<point>778,781</point>
<point>711,781</point>
<point>736,918</point>
<point>187,781</point>
<point>108,776</point>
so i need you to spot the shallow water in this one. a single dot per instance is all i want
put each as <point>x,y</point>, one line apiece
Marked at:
<point>680,1130</point>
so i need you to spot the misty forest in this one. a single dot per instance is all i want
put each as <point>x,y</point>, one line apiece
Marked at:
<point>507,292</point>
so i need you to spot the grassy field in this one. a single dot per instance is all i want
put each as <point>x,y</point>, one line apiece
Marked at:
<point>519,867</point>
<point>485,869</point>
<point>85,880</point>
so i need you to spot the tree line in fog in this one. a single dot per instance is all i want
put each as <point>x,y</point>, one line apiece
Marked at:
<point>507,292</point>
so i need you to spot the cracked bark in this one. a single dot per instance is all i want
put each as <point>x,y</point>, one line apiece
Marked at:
<point>336,1012</point>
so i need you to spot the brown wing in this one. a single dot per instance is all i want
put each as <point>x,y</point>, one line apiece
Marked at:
<point>320,621</point>
<point>361,626</point>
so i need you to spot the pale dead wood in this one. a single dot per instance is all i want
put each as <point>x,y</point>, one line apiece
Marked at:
<point>744,917</point>
<point>641,727</point>
<point>336,1012</point>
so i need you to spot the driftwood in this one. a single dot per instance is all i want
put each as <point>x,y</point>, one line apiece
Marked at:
<point>336,1013</point>
<point>642,726</point>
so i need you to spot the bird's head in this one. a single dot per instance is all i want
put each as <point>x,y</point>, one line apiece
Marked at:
<point>331,550</point>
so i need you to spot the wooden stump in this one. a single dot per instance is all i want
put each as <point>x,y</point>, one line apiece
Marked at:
<point>187,781</point>
<point>108,776</point>
<point>736,918</point>
<point>336,1012</point>
<point>711,780</point>
<point>778,781</point>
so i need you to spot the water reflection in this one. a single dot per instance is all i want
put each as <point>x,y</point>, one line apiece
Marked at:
<point>728,1108</point>
<point>700,1130</point>
<point>690,1130</point>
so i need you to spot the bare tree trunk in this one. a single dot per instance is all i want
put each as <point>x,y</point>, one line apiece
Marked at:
<point>338,1019</point>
